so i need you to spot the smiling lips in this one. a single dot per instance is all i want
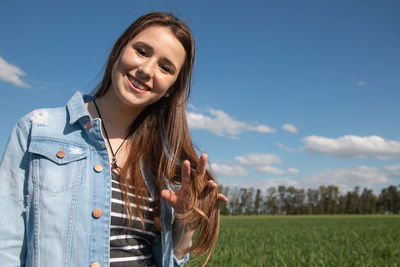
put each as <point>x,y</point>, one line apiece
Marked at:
<point>137,85</point>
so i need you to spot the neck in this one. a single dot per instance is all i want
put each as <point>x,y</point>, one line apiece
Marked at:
<point>116,116</point>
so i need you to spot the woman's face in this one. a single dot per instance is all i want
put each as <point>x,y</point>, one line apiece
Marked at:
<point>147,67</point>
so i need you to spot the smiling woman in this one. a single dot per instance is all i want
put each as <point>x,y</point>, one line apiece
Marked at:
<point>146,68</point>
<point>113,178</point>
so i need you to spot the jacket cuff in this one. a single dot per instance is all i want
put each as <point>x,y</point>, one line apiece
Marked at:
<point>182,261</point>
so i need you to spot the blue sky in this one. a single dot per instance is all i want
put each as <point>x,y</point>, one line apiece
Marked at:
<point>302,93</point>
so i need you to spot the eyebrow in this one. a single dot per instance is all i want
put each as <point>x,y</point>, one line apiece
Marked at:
<point>149,47</point>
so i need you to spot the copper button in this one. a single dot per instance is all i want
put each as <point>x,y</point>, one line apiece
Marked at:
<point>60,154</point>
<point>88,125</point>
<point>95,264</point>
<point>98,167</point>
<point>97,213</point>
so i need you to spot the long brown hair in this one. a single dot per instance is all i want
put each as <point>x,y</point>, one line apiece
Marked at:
<point>160,141</point>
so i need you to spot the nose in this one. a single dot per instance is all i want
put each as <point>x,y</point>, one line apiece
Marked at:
<point>146,69</point>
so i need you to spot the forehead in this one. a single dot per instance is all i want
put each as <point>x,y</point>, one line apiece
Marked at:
<point>163,43</point>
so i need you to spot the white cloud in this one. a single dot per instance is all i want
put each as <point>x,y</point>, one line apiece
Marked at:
<point>270,170</point>
<point>290,128</point>
<point>276,171</point>
<point>347,178</point>
<point>222,124</point>
<point>242,165</point>
<point>285,147</point>
<point>352,146</point>
<point>293,171</point>
<point>228,170</point>
<point>393,170</point>
<point>280,181</point>
<point>260,128</point>
<point>361,83</point>
<point>258,159</point>
<point>259,183</point>
<point>11,73</point>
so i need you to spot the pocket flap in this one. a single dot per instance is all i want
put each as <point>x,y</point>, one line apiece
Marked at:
<point>58,151</point>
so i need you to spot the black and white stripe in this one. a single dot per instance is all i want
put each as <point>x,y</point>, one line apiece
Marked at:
<point>130,245</point>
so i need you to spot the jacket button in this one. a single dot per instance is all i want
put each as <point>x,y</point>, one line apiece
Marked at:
<point>88,125</point>
<point>95,264</point>
<point>60,154</point>
<point>98,167</point>
<point>97,214</point>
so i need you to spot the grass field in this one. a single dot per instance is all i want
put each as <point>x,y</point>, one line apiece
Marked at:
<point>356,240</point>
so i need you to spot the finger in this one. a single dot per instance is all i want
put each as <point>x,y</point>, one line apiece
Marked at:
<point>201,166</point>
<point>212,184</point>
<point>169,196</point>
<point>185,177</point>
<point>222,198</point>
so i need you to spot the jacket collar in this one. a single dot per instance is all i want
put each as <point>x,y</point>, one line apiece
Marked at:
<point>76,107</point>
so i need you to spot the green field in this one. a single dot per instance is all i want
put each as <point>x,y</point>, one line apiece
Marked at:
<point>355,240</point>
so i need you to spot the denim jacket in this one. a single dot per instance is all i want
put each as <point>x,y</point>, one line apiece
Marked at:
<point>54,173</point>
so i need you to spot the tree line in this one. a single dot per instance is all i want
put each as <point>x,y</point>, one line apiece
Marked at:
<point>290,200</point>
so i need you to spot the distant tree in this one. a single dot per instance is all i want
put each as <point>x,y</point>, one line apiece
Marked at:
<point>224,206</point>
<point>312,200</point>
<point>294,199</point>
<point>322,200</point>
<point>246,201</point>
<point>283,201</point>
<point>243,200</point>
<point>368,202</point>
<point>234,201</point>
<point>271,202</point>
<point>300,201</point>
<point>355,200</point>
<point>329,199</point>
<point>389,200</point>
<point>334,199</point>
<point>290,197</point>
<point>250,209</point>
<point>348,203</point>
<point>258,207</point>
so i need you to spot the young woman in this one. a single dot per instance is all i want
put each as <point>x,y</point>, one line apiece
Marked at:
<point>113,178</point>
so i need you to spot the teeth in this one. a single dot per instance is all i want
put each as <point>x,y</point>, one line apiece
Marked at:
<point>137,85</point>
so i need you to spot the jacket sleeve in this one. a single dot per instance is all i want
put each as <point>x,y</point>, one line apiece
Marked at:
<point>13,195</point>
<point>181,262</point>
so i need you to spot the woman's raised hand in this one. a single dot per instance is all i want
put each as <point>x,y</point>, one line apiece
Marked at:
<point>177,201</point>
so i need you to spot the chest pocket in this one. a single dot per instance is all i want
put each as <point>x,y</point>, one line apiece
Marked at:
<point>58,166</point>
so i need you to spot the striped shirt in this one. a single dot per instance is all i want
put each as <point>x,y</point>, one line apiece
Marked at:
<point>130,246</point>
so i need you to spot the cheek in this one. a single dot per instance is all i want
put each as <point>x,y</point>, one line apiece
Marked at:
<point>125,61</point>
<point>116,68</point>
<point>174,82</point>
<point>116,77</point>
<point>171,85</point>
<point>113,75</point>
<point>163,84</point>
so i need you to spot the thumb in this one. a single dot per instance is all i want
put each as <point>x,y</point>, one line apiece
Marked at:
<point>169,196</point>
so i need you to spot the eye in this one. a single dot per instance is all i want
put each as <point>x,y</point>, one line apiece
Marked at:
<point>165,68</point>
<point>141,51</point>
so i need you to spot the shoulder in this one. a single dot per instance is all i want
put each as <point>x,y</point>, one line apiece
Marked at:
<point>54,122</point>
<point>46,119</point>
